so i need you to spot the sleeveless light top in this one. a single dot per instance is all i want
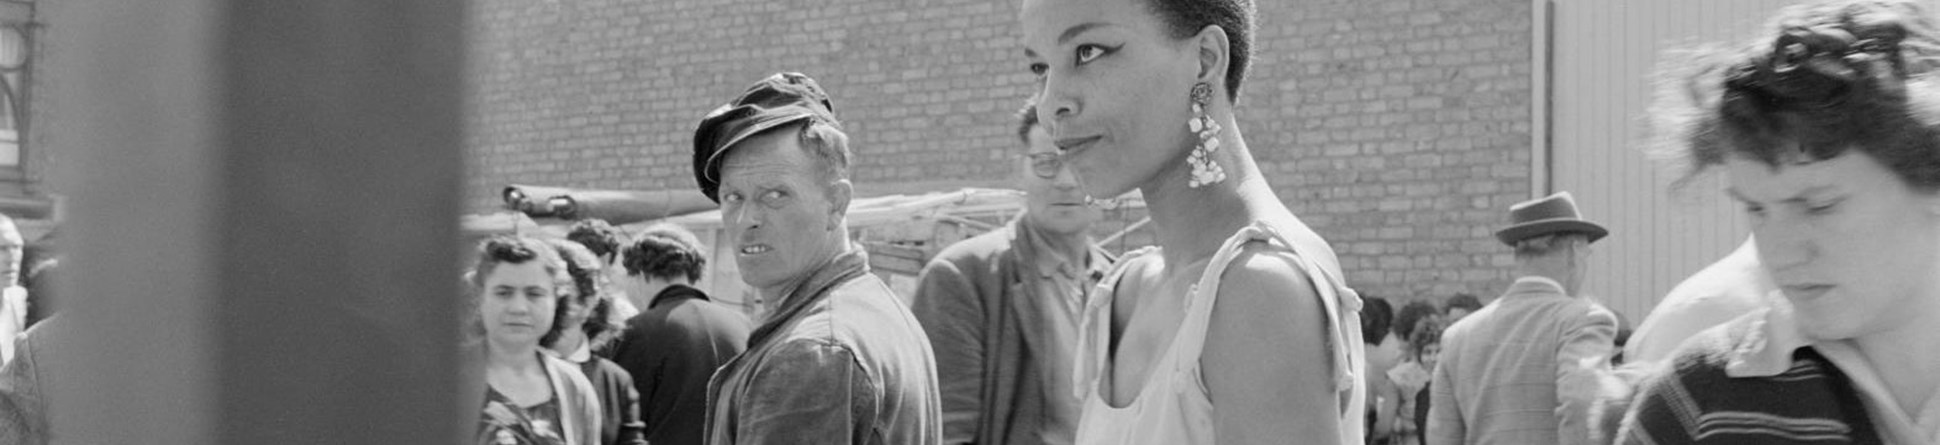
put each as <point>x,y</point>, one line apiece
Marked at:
<point>1174,406</point>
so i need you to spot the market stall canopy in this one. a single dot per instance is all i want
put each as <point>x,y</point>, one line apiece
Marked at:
<point>865,212</point>
<point>614,206</point>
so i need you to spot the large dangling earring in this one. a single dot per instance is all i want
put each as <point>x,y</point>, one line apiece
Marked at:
<point>1204,170</point>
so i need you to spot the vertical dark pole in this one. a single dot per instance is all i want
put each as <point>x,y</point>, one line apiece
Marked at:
<point>265,196</point>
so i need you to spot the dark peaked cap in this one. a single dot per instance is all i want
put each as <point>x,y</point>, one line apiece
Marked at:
<point>779,100</point>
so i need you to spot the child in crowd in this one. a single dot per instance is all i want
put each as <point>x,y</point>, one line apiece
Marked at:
<point>1410,380</point>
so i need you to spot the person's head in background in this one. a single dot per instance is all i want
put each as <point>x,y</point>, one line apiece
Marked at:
<point>1827,130</point>
<point>583,306</point>
<point>1377,317</point>
<point>661,256</point>
<point>603,240</point>
<point>1411,315</point>
<point>1460,306</point>
<point>1053,201</point>
<point>11,246</point>
<point>778,162</point>
<point>515,284</point>
<point>1425,345</point>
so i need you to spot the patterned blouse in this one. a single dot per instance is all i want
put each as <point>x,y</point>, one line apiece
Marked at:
<point>503,422</point>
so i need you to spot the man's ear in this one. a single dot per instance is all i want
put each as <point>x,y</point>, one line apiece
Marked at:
<point>1215,54</point>
<point>840,193</point>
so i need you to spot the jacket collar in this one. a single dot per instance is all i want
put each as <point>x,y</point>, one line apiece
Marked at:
<point>1772,334</point>
<point>1535,285</point>
<point>1031,246</point>
<point>812,289</point>
<point>674,292</point>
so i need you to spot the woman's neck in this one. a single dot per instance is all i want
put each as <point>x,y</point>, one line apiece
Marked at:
<point>1191,223</point>
<point>569,341</point>
<point>519,358</point>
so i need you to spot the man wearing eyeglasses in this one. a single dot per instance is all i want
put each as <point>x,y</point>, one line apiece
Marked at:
<point>1001,309</point>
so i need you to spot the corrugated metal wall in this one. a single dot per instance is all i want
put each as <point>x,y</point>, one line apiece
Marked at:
<point>1602,58</point>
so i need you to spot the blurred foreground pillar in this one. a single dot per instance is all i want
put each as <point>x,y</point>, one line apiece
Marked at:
<point>264,196</point>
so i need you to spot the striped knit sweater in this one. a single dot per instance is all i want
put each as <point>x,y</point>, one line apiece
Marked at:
<point>1695,401</point>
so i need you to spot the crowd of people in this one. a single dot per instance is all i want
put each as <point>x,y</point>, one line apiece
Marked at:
<point>1238,325</point>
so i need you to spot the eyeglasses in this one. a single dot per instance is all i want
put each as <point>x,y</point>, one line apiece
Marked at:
<point>1045,165</point>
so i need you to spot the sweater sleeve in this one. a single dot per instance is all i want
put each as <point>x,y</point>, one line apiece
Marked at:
<point>1654,416</point>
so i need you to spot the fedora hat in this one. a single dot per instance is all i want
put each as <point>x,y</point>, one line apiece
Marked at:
<point>1549,214</point>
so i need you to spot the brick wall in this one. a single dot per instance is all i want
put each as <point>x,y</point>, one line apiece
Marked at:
<point>1399,129</point>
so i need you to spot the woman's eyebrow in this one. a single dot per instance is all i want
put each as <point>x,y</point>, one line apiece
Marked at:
<point>1074,31</point>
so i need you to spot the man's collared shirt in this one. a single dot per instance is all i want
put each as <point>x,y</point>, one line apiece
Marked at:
<point>1542,280</point>
<point>1061,286</point>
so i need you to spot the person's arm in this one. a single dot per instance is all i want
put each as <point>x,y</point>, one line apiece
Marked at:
<point>1386,398</point>
<point>1582,362</point>
<point>1445,425</point>
<point>808,391</point>
<point>632,430</point>
<point>1619,389</point>
<point>1267,362</point>
<point>952,314</point>
<point>1652,420</point>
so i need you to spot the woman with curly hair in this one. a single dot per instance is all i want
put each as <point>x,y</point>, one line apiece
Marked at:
<point>581,326</point>
<point>529,397</point>
<point>1827,129</point>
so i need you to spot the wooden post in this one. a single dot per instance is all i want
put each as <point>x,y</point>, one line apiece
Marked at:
<point>264,205</point>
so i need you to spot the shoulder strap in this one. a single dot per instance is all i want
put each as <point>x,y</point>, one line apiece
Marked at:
<point>1341,304</point>
<point>1093,331</point>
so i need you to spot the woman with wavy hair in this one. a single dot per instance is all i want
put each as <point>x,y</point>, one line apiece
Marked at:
<point>528,397</point>
<point>581,326</point>
<point>1238,327</point>
<point>1827,129</point>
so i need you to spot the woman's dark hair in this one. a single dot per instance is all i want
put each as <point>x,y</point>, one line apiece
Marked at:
<point>1824,78</point>
<point>1464,301</point>
<point>1376,315</point>
<point>665,251</point>
<point>1184,18</point>
<point>597,235</point>
<point>1428,333</point>
<point>1411,314</point>
<point>585,269</point>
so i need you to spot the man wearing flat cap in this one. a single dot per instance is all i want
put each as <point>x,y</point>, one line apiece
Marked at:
<point>1522,369</point>
<point>838,358</point>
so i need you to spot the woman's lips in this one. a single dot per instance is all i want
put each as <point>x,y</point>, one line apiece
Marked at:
<point>1806,292</point>
<point>1072,145</point>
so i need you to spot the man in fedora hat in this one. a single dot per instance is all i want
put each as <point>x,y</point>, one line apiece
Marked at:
<point>838,359</point>
<point>1522,369</point>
